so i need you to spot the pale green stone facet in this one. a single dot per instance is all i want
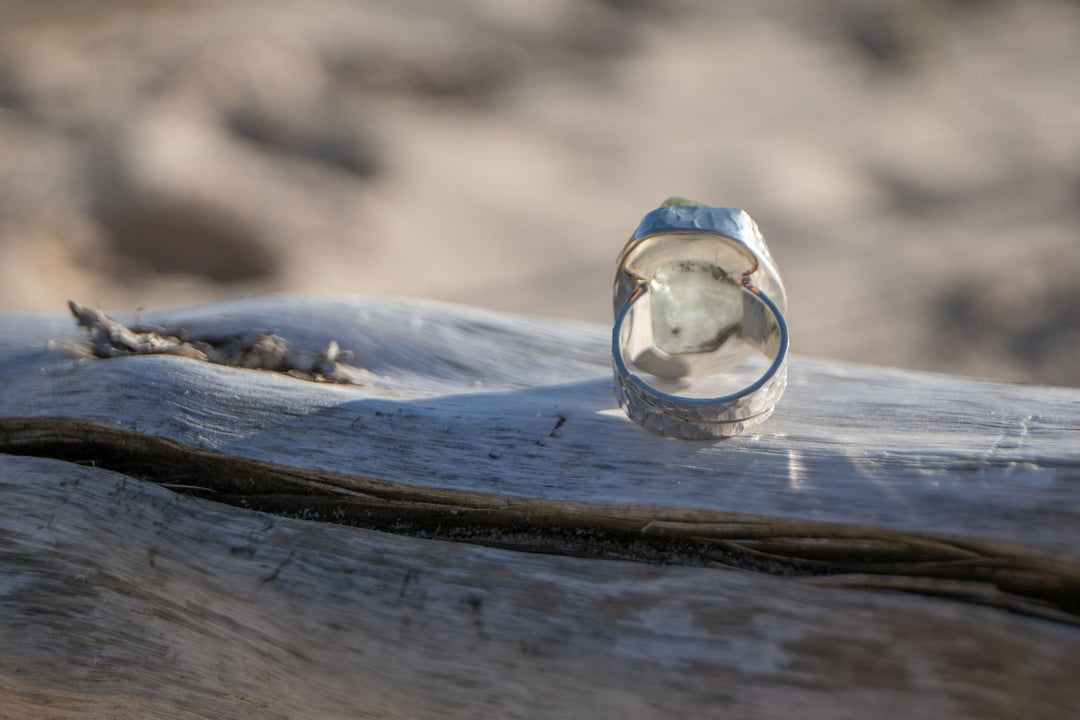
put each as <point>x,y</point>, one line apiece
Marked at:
<point>676,201</point>
<point>696,307</point>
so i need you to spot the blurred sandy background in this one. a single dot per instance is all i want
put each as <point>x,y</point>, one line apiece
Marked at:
<point>915,165</point>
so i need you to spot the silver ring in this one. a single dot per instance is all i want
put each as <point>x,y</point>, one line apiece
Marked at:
<point>700,341</point>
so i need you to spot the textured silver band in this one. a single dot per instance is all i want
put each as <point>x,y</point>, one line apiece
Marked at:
<point>702,232</point>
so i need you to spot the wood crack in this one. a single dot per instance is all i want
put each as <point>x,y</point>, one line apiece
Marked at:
<point>1009,576</point>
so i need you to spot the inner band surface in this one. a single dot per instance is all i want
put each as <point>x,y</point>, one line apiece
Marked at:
<point>716,379</point>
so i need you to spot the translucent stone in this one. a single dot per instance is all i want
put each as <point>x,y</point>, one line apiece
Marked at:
<point>696,307</point>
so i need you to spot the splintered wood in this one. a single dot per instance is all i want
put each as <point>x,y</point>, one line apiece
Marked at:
<point>258,350</point>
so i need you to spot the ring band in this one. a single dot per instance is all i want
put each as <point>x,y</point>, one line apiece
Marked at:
<point>700,341</point>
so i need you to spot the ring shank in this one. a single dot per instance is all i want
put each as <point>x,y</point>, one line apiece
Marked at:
<point>763,329</point>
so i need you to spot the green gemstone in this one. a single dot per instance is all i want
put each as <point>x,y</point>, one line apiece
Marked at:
<point>676,201</point>
<point>695,306</point>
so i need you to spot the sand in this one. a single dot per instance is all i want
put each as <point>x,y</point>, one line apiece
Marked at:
<point>914,165</point>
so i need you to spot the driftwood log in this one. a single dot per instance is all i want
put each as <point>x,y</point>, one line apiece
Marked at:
<point>461,523</point>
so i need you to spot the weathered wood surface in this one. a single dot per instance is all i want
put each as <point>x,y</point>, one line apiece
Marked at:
<point>121,597</point>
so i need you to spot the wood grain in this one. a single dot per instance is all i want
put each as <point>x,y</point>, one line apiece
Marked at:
<point>121,598</point>
<point>889,543</point>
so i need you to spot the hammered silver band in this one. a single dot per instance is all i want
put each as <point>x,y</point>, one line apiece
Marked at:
<point>666,389</point>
